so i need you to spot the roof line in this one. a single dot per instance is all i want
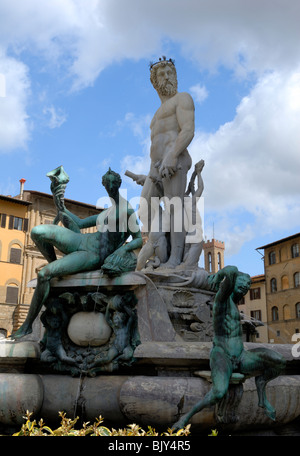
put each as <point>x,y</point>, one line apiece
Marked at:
<point>15,200</point>
<point>293,236</point>
<point>47,195</point>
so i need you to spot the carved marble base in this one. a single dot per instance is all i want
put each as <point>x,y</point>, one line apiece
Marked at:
<point>166,310</point>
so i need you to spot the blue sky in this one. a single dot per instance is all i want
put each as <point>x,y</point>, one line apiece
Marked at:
<point>77,93</point>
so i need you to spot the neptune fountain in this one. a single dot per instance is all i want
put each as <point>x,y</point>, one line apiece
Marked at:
<point>137,331</point>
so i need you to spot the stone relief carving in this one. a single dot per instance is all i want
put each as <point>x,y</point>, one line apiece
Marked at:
<point>89,332</point>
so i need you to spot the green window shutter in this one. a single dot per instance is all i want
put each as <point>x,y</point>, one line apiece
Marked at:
<point>25,224</point>
<point>11,222</point>
<point>12,294</point>
<point>3,220</point>
<point>15,255</point>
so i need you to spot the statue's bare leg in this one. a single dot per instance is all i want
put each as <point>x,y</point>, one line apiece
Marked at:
<point>110,356</point>
<point>46,237</point>
<point>146,252</point>
<point>69,264</point>
<point>146,212</point>
<point>271,364</point>
<point>174,189</point>
<point>221,370</point>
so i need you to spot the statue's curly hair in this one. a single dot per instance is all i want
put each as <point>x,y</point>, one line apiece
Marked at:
<point>154,68</point>
<point>109,173</point>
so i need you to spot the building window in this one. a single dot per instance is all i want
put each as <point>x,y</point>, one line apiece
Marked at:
<point>219,261</point>
<point>17,223</point>
<point>15,255</point>
<point>12,293</point>
<point>273,285</point>
<point>3,220</point>
<point>209,262</point>
<point>274,313</point>
<point>255,293</point>
<point>295,250</point>
<point>298,310</point>
<point>272,258</point>
<point>256,315</point>
<point>297,330</point>
<point>284,283</point>
<point>278,333</point>
<point>297,279</point>
<point>286,312</point>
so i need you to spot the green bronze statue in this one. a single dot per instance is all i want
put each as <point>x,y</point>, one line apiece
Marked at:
<point>228,355</point>
<point>104,249</point>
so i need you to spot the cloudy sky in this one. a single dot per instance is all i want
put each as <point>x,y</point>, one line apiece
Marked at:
<point>75,90</point>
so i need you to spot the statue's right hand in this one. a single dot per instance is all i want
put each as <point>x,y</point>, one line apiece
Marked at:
<point>168,167</point>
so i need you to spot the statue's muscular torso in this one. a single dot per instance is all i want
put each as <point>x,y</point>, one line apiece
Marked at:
<point>227,327</point>
<point>165,126</point>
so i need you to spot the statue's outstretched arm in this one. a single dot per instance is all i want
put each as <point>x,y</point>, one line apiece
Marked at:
<point>138,178</point>
<point>224,281</point>
<point>82,223</point>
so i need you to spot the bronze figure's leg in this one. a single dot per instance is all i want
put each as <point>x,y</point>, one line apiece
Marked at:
<point>221,370</point>
<point>74,261</point>
<point>268,364</point>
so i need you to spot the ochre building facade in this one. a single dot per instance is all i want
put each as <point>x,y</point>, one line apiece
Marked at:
<point>20,259</point>
<point>14,225</point>
<point>282,275</point>
<point>254,311</point>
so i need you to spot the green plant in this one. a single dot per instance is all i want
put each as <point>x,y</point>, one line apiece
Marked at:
<point>67,428</point>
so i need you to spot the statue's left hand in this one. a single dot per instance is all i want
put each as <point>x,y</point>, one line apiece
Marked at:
<point>120,252</point>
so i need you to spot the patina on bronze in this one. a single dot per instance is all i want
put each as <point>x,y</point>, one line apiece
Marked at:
<point>228,355</point>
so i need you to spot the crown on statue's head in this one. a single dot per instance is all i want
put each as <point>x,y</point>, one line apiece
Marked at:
<point>163,59</point>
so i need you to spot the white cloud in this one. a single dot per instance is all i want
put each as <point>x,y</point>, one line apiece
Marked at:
<point>2,86</point>
<point>247,36</point>
<point>14,126</point>
<point>140,128</point>
<point>136,164</point>
<point>56,117</point>
<point>45,27</point>
<point>253,162</point>
<point>9,187</point>
<point>199,93</point>
<point>139,125</point>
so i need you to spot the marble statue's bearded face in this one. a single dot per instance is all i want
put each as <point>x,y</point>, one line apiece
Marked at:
<point>164,79</point>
